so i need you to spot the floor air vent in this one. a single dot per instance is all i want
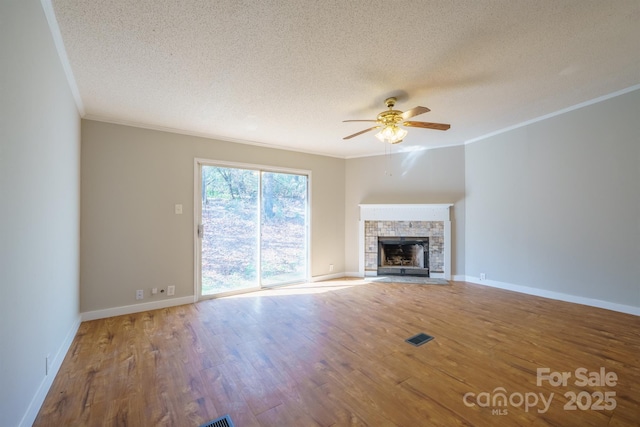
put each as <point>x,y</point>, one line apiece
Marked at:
<point>419,339</point>
<point>219,422</point>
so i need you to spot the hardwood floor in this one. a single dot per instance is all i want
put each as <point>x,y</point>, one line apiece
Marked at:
<point>333,354</point>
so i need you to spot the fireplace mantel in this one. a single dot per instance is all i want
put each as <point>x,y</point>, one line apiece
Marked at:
<point>406,212</point>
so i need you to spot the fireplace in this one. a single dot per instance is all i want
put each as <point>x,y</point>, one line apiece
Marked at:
<point>429,224</point>
<point>403,256</point>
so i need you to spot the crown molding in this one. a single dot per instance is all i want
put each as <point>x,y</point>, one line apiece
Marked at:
<point>62,54</point>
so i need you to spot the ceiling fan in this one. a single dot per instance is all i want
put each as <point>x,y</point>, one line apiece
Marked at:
<point>390,119</point>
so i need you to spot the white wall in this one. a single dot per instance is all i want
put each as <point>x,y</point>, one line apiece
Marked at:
<point>429,176</point>
<point>39,226</point>
<point>555,205</point>
<point>131,180</point>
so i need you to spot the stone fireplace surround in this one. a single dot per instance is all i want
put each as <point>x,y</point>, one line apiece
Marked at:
<point>409,220</point>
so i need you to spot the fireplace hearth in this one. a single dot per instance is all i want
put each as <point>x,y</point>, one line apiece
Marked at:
<point>400,256</point>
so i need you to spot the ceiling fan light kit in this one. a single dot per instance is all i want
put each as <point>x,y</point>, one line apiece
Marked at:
<point>391,134</point>
<point>390,119</point>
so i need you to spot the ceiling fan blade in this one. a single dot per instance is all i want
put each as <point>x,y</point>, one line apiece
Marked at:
<point>344,121</point>
<point>414,112</point>
<point>427,125</point>
<point>361,132</point>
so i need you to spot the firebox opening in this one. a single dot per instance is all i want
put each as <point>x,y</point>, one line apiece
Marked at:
<point>403,256</point>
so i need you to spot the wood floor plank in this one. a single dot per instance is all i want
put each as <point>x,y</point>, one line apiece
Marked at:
<point>333,354</point>
<point>286,415</point>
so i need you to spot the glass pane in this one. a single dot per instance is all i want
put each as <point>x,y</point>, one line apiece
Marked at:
<point>230,241</point>
<point>284,228</point>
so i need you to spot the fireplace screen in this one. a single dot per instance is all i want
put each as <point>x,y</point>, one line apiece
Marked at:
<point>403,256</point>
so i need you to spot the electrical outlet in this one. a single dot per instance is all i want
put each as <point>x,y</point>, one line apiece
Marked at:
<point>154,291</point>
<point>330,267</point>
<point>171,290</point>
<point>483,276</point>
<point>139,294</point>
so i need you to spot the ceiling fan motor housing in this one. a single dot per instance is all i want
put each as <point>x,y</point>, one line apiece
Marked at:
<point>390,117</point>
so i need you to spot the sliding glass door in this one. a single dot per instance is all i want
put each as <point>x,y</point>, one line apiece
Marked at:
<point>253,228</point>
<point>229,230</point>
<point>283,245</point>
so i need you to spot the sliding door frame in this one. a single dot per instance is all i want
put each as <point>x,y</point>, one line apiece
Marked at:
<point>197,216</point>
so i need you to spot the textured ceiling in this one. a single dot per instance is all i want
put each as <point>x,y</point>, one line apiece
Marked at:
<point>286,73</point>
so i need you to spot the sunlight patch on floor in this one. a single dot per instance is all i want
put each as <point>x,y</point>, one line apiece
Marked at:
<point>309,288</point>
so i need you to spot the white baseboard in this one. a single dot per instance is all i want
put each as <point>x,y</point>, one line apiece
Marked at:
<point>629,309</point>
<point>135,308</point>
<point>459,278</point>
<point>326,277</point>
<point>352,274</point>
<point>55,364</point>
